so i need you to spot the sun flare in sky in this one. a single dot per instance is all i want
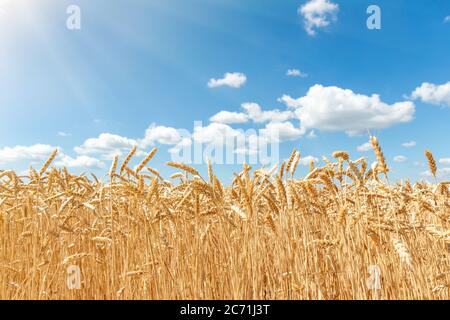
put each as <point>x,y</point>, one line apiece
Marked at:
<point>20,16</point>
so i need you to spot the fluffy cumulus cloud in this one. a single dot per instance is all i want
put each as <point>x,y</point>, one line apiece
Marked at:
<point>217,133</point>
<point>281,131</point>
<point>233,80</point>
<point>256,114</point>
<point>400,158</point>
<point>433,94</point>
<point>254,143</point>
<point>80,162</point>
<point>162,135</point>
<point>246,151</point>
<point>289,101</point>
<point>305,161</point>
<point>364,147</point>
<point>40,152</point>
<point>228,117</point>
<point>409,144</point>
<point>184,143</point>
<point>318,14</point>
<point>106,144</point>
<point>336,109</point>
<point>26,153</point>
<point>246,142</point>
<point>444,161</point>
<point>441,173</point>
<point>252,112</point>
<point>296,73</point>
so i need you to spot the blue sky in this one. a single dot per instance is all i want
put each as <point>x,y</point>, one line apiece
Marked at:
<point>140,66</point>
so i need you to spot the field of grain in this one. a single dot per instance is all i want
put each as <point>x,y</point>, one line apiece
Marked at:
<point>343,231</point>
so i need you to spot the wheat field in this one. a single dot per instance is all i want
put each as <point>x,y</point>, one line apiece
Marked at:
<point>342,231</point>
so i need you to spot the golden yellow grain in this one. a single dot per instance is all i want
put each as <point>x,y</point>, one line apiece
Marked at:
<point>112,170</point>
<point>183,167</point>
<point>382,166</point>
<point>295,163</point>
<point>48,162</point>
<point>127,159</point>
<point>431,162</point>
<point>341,154</point>
<point>144,161</point>
<point>260,237</point>
<point>291,160</point>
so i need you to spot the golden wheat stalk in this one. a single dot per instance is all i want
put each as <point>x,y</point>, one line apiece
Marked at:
<point>144,161</point>
<point>127,159</point>
<point>48,162</point>
<point>183,167</point>
<point>431,162</point>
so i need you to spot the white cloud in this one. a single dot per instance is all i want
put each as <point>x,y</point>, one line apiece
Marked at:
<point>234,80</point>
<point>162,135</point>
<point>40,152</point>
<point>281,131</point>
<point>184,143</point>
<point>255,113</point>
<point>400,158</point>
<point>64,134</point>
<point>364,147</point>
<point>289,101</point>
<point>305,161</point>
<point>433,94</point>
<point>254,144</point>
<point>107,145</point>
<point>26,153</point>
<point>409,144</point>
<point>245,142</point>
<point>215,133</point>
<point>444,161</point>
<point>336,109</point>
<point>318,14</point>
<point>229,117</point>
<point>296,73</point>
<point>447,19</point>
<point>441,173</point>
<point>80,162</point>
<point>246,151</point>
